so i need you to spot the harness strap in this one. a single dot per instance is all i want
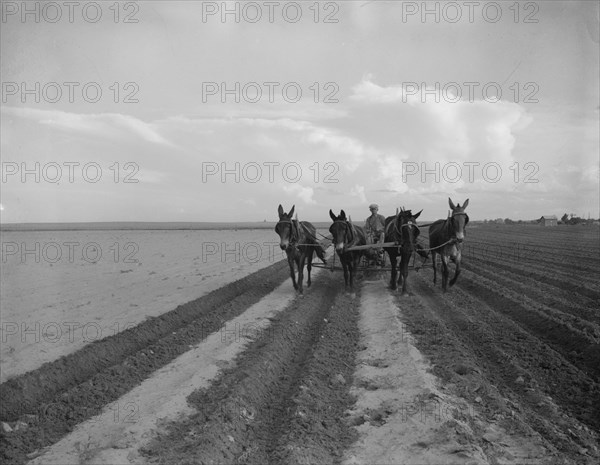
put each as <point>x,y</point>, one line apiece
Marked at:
<point>349,227</point>
<point>449,241</point>
<point>294,237</point>
<point>406,225</point>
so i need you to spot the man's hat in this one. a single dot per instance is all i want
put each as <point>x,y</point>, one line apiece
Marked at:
<point>373,205</point>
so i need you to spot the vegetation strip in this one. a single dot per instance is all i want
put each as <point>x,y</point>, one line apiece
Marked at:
<point>284,400</point>
<point>54,398</point>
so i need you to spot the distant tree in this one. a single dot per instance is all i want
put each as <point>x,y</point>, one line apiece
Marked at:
<point>576,220</point>
<point>508,221</point>
<point>564,219</point>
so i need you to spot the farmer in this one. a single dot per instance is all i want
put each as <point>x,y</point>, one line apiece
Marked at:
<point>375,224</point>
<point>375,229</point>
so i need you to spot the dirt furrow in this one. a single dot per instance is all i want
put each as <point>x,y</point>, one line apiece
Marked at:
<point>519,380</point>
<point>532,252</point>
<point>583,286</point>
<point>547,302</point>
<point>57,396</point>
<point>283,401</point>
<point>579,300</point>
<point>577,347</point>
<point>577,248</point>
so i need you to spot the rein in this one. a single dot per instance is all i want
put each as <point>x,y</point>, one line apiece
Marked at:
<point>294,235</point>
<point>348,229</point>
<point>449,241</point>
<point>451,224</point>
<point>405,225</point>
<point>294,239</point>
<point>452,240</point>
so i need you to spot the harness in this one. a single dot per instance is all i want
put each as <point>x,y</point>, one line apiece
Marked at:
<point>453,238</point>
<point>410,223</point>
<point>294,235</point>
<point>349,229</point>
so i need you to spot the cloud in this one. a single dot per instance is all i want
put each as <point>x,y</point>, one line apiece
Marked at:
<point>105,125</point>
<point>429,128</point>
<point>303,193</point>
<point>357,156</point>
<point>359,191</point>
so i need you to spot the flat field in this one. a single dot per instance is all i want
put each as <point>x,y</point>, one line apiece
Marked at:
<point>515,343</point>
<point>64,289</point>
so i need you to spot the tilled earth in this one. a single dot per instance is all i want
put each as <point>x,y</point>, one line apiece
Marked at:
<point>285,399</point>
<point>518,340</point>
<point>45,404</point>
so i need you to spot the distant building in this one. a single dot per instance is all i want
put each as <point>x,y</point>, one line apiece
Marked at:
<point>549,220</point>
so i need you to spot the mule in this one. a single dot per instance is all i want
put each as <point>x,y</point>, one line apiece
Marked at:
<point>344,236</point>
<point>446,240</point>
<point>401,229</point>
<point>299,241</point>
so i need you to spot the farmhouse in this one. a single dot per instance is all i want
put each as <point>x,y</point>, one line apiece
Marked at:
<point>549,220</point>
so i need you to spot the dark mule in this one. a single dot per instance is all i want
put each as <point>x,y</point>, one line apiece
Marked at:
<point>299,240</point>
<point>446,238</point>
<point>345,235</point>
<point>401,229</point>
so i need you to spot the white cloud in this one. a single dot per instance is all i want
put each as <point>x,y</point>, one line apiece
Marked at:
<point>359,191</point>
<point>113,125</point>
<point>303,193</point>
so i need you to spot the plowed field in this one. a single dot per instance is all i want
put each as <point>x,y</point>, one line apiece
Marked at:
<point>516,341</point>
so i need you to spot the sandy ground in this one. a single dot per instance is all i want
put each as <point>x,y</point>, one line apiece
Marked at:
<point>407,416</point>
<point>51,308</point>
<point>109,439</point>
<point>418,422</point>
<point>514,357</point>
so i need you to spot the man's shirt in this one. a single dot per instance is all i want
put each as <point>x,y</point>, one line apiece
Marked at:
<point>375,223</point>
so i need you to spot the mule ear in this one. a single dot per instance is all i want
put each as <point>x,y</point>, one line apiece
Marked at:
<point>291,213</point>
<point>466,203</point>
<point>417,215</point>
<point>451,203</point>
<point>280,211</point>
<point>342,215</point>
<point>333,217</point>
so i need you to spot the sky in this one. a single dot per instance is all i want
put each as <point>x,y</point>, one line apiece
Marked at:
<point>214,111</point>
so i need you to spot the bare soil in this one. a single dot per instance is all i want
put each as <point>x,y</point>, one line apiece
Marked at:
<point>54,398</point>
<point>285,398</point>
<point>515,341</point>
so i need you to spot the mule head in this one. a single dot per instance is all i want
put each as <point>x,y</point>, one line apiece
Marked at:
<point>285,228</point>
<point>341,230</point>
<point>459,219</point>
<point>407,226</point>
